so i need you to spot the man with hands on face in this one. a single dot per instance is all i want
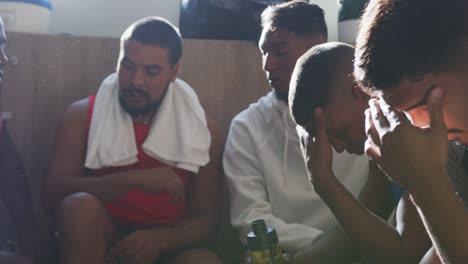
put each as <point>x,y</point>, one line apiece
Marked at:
<point>411,56</point>
<point>133,174</point>
<point>328,108</point>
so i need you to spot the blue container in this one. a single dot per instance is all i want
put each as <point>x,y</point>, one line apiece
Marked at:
<point>44,3</point>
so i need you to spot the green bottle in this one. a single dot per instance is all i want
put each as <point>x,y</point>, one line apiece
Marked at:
<point>263,244</point>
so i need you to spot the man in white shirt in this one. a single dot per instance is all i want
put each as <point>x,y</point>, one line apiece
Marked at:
<point>263,163</point>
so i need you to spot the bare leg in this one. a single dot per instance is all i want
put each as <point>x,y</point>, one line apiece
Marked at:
<point>86,230</point>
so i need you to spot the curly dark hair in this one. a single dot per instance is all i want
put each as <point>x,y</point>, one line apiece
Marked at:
<point>405,39</point>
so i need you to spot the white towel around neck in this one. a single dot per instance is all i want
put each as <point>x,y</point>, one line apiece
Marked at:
<point>178,135</point>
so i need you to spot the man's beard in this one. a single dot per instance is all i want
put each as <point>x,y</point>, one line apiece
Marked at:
<point>136,111</point>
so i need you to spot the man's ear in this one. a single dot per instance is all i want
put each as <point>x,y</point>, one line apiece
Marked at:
<point>359,94</point>
<point>174,71</point>
<point>309,126</point>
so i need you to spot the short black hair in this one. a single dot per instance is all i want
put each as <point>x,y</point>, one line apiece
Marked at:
<point>296,16</point>
<point>313,77</point>
<point>155,31</point>
<point>402,39</point>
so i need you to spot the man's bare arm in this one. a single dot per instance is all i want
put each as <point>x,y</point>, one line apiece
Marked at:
<point>448,234</point>
<point>198,227</point>
<point>200,224</point>
<point>377,196</point>
<point>379,240</point>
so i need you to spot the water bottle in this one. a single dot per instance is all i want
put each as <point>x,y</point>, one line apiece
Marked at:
<point>263,244</point>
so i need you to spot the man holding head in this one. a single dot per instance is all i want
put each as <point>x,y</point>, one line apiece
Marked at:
<point>125,187</point>
<point>411,55</point>
<point>405,78</point>
<point>263,163</point>
<point>328,105</point>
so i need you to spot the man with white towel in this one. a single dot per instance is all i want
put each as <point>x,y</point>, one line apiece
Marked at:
<point>134,170</point>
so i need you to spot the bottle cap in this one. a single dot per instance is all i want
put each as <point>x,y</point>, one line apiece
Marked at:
<point>262,237</point>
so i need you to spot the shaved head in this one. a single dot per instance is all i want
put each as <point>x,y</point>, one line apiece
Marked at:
<point>315,77</point>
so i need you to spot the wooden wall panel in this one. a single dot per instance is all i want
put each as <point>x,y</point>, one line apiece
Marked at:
<point>227,76</point>
<point>54,71</point>
<point>51,73</point>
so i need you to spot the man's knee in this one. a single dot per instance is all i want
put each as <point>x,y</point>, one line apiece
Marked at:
<point>14,259</point>
<point>81,210</point>
<point>197,256</point>
<point>81,204</point>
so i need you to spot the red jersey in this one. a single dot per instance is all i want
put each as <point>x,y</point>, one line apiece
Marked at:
<point>137,207</point>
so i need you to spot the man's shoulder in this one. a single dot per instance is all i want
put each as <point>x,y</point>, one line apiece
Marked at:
<point>77,111</point>
<point>80,105</point>
<point>256,114</point>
